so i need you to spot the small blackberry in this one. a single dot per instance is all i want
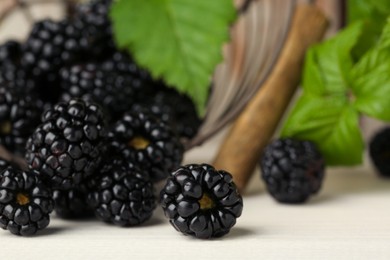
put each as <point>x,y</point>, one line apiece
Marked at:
<point>25,203</point>
<point>292,170</point>
<point>69,145</point>
<point>92,19</point>
<point>147,142</point>
<point>10,52</point>
<point>19,115</point>
<point>123,195</point>
<point>200,201</point>
<point>113,90</point>
<point>175,109</point>
<point>71,204</point>
<point>380,152</point>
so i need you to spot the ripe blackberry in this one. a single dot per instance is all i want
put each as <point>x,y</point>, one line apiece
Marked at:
<point>380,152</point>
<point>292,170</point>
<point>10,52</point>
<point>113,90</point>
<point>175,109</point>
<point>123,195</point>
<point>200,201</point>
<point>69,145</point>
<point>71,204</point>
<point>147,142</point>
<point>25,203</point>
<point>92,19</point>
<point>19,115</point>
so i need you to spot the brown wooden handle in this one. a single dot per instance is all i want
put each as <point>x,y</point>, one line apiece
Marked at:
<point>251,132</point>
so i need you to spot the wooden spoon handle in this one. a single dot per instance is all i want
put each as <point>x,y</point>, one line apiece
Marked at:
<point>251,132</point>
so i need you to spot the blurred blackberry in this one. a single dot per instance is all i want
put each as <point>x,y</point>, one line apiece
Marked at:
<point>50,46</point>
<point>92,19</point>
<point>292,170</point>
<point>113,90</point>
<point>123,195</point>
<point>200,201</point>
<point>149,143</point>
<point>69,145</point>
<point>175,109</point>
<point>19,115</point>
<point>380,152</point>
<point>10,52</point>
<point>25,203</point>
<point>71,204</point>
<point>3,164</point>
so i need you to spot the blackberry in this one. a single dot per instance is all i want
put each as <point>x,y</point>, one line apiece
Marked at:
<point>10,52</point>
<point>69,145</point>
<point>292,170</point>
<point>175,109</point>
<point>200,201</point>
<point>19,115</point>
<point>113,90</point>
<point>123,195</point>
<point>71,204</point>
<point>25,203</point>
<point>147,142</point>
<point>380,152</point>
<point>93,21</point>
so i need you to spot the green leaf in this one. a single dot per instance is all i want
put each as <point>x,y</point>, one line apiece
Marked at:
<point>371,80</point>
<point>333,62</point>
<point>178,40</point>
<point>367,9</point>
<point>331,123</point>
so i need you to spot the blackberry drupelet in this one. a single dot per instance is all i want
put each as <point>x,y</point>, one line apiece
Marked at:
<point>25,203</point>
<point>123,195</point>
<point>380,152</point>
<point>19,115</point>
<point>175,109</point>
<point>200,201</point>
<point>149,143</point>
<point>113,90</point>
<point>71,204</point>
<point>69,145</point>
<point>292,170</point>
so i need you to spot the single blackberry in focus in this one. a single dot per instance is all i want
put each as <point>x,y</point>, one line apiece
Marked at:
<point>25,203</point>
<point>149,143</point>
<point>123,195</point>
<point>71,204</point>
<point>68,147</point>
<point>292,170</point>
<point>200,201</point>
<point>175,109</point>
<point>380,152</point>
<point>19,115</point>
<point>112,90</point>
<point>92,20</point>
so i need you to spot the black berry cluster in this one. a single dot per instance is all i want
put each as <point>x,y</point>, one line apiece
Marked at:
<point>379,149</point>
<point>200,201</point>
<point>292,170</point>
<point>96,130</point>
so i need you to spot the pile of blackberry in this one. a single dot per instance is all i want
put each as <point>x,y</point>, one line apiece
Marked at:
<point>95,129</point>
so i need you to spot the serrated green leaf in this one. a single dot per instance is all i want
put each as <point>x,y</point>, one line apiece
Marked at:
<point>331,123</point>
<point>335,60</point>
<point>371,80</point>
<point>367,9</point>
<point>178,40</point>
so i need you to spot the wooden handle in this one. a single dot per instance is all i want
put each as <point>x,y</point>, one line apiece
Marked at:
<point>251,132</point>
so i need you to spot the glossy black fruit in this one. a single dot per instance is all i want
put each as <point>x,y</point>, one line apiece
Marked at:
<point>25,203</point>
<point>292,170</point>
<point>380,152</point>
<point>69,145</point>
<point>123,195</point>
<point>201,201</point>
